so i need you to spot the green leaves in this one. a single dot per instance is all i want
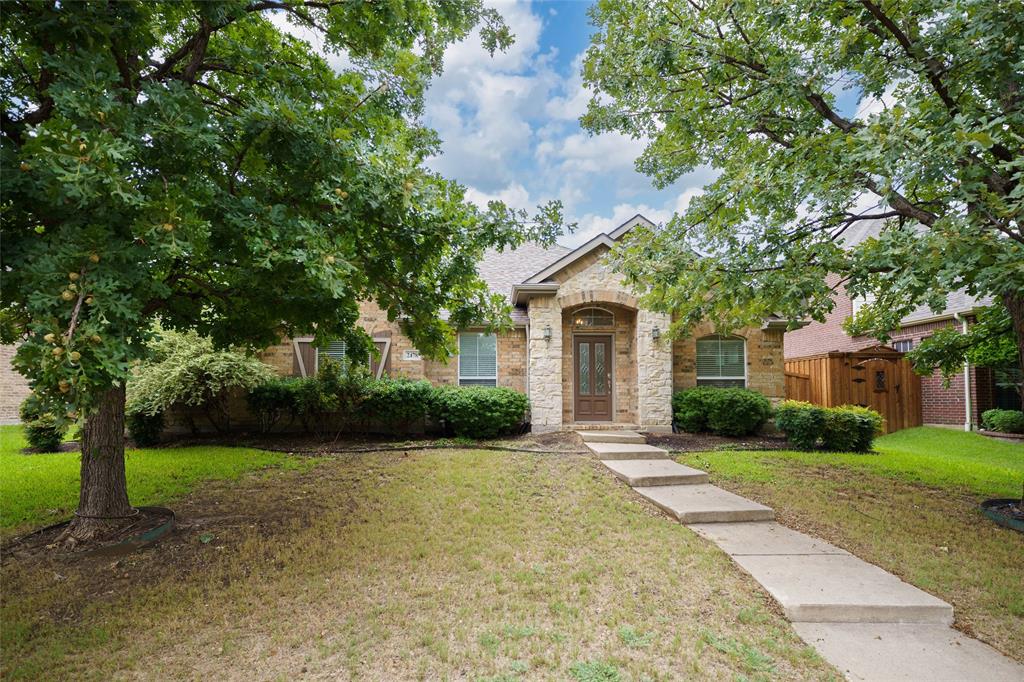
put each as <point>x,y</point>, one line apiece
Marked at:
<point>933,156</point>
<point>229,178</point>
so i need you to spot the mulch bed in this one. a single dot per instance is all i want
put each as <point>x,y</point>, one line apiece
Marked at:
<point>697,442</point>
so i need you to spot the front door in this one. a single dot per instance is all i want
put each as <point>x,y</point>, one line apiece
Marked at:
<point>592,378</point>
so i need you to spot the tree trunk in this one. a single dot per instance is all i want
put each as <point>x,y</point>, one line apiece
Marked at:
<point>103,500</point>
<point>1015,305</point>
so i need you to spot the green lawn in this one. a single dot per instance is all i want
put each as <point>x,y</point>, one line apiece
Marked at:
<point>433,565</point>
<point>911,508</point>
<point>37,489</point>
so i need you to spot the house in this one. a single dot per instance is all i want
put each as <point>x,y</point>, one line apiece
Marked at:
<point>14,388</point>
<point>968,394</point>
<point>581,347</point>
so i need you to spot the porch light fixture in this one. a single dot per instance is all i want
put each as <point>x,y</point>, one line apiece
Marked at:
<point>547,333</point>
<point>656,333</point>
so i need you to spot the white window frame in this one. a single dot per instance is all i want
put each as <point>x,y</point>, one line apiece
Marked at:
<point>459,376</point>
<point>593,326</point>
<point>859,302</point>
<point>696,371</point>
<point>903,341</point>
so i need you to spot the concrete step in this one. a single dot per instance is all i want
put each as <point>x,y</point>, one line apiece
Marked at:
<point>649,472</point>
<point>891,652</point>
<point>705,504</point>
<point>838,588</point>
<point>626,451</point>
<point>611,437</point>
<point>737,539</point>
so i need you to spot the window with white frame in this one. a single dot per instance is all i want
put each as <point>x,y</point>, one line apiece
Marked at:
<point>337,351</point>
<point>903,345</point>
<point>593,317</point>
<point>721,361</point>
<point>478,359</point>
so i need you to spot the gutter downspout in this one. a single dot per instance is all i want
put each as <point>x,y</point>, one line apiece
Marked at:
<point>968,407</point>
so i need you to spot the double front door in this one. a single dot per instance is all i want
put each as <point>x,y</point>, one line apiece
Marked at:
<point>592,377</point>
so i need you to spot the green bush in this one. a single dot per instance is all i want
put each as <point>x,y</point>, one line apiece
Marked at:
<point>850,428</point>
<point>397,402</point>
<point>847,428</point>
<point>186,369</point>
<point>479,412</point>
<point>1006,421</point>
<point>802,423</point>
<point>723,411</point>
<point>145,429</point>
<point>273,401</point>
<point>43,430</point>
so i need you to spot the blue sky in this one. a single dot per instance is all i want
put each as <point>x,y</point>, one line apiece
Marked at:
<point>511,131</point>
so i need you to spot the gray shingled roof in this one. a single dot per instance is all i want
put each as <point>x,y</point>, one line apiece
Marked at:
<point>501,270</point>
<point>956,302</point>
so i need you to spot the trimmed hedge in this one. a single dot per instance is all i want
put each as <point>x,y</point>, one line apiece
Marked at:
<point>1006,421</point>
<point>479,412</point>
<point>334,399</point>
<point>722,411</point>
<point>847,428</point>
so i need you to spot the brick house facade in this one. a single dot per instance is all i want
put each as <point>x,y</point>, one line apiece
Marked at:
<point>941,405</point>
<point>579,336</point>
<point>13,387</point>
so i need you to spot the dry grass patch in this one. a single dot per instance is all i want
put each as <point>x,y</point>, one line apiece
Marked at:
<point>436,565</point>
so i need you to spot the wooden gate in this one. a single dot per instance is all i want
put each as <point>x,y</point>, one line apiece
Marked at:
<point>877,377</point>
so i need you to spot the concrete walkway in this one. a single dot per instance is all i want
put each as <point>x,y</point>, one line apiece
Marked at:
<point>868,623</point>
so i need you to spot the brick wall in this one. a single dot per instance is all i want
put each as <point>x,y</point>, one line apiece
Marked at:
<point>13,387</point>
<point>765,364</point>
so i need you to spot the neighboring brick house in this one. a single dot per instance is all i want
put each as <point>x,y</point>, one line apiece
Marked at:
<point>581,347</point>
<point>13,387</point>
<point>940,405</point>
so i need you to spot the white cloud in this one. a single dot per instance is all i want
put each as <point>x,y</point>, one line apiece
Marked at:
<point>591,225</point>
<point>514,196</point>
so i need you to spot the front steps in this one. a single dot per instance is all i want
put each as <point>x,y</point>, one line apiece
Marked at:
<point>868,623</point>
<point>612,437</point>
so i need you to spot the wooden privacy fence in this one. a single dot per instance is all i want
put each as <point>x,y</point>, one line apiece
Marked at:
<point>877,377</point>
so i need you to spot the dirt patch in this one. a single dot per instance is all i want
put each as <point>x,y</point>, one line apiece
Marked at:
<point>700,442</point>
<point>558,441</point>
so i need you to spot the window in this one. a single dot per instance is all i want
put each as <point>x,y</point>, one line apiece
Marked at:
<point>593,317</point>
<point>903,346</point>
<point>721,361</point>
<point>478,359</point>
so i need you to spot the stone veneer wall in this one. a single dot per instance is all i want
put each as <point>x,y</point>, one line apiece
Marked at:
<point>765,364</point>
<point>654,371</point>
<point>545,364</point>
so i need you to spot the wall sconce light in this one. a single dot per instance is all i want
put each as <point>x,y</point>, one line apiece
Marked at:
<point>547,333</point>
<point>656,333</point>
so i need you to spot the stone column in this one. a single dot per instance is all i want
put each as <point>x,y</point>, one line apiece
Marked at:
<point>654,371</point>
<point>545,365</point>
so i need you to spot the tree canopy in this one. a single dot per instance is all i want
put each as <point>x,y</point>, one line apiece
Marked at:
<point>197,163</point>
<point>934,154</point>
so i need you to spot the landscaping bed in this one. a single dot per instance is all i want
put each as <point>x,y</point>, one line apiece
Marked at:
<point>699,442</point>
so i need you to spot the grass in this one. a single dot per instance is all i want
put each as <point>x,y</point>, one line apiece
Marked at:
<point>910,508</point>
<point>432,565</point>
<point>38,489</point>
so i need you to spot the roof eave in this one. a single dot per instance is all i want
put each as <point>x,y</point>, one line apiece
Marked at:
<point>521,293</point>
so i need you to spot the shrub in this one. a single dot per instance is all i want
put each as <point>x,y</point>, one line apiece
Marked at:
<point>43,430</point>
<point>145,429</point>
<point>397,402</point>
<point>272,401</point>
<point>186,369</point>
<point>479,412</point>
<point>723,411</point>
<point>850,428</point>
<point>802,423</point>
<point>1007,421</point>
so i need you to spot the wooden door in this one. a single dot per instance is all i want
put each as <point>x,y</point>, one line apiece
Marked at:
<point>592,378</point>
